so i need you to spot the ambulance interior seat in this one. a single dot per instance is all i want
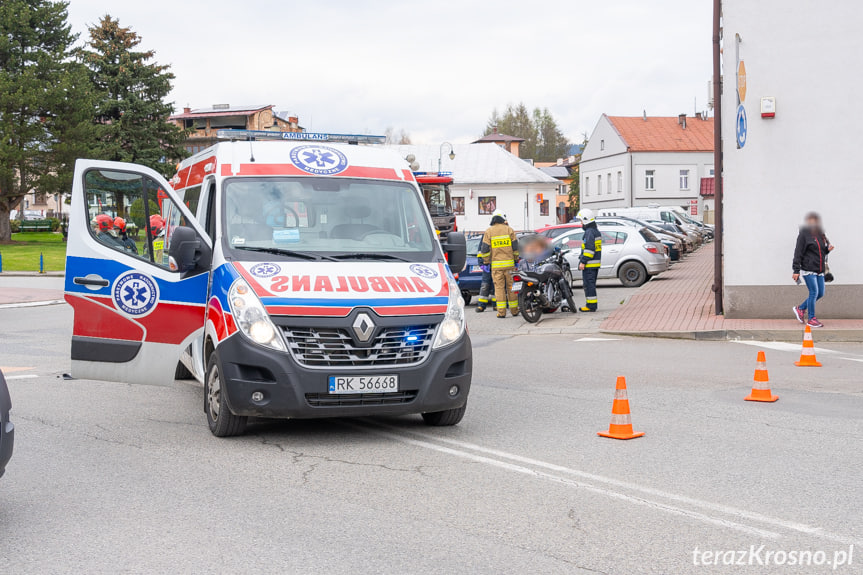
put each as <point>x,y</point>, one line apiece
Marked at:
<point>353,231</point>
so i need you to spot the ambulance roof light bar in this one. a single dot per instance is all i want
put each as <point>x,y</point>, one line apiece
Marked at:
<point>249,135</point>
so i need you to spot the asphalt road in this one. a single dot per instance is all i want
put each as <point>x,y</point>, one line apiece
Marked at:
<point>110,478</point>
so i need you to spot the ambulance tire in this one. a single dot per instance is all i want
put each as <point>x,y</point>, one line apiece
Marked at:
<point>222,422</point>
<point>466,296</point>
<point>445,418</point>
<point>182,372</point>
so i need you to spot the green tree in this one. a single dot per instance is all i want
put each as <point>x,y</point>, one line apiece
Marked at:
<point>131,111</point>
<point>39,85</point>
<point>575,185</point>
<point>543,140</point>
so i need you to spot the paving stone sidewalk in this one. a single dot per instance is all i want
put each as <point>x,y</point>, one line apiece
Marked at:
<point>679,304</point>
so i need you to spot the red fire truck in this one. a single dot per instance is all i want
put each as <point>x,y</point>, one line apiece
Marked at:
<point>435,187</point>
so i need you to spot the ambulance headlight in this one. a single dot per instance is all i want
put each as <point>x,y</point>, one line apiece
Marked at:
<point>452,326</point>
<point>251,317</point>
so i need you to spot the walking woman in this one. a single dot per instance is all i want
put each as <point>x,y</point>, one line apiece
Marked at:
<point>810,261</point>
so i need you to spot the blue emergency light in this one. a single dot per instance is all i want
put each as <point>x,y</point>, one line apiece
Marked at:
<point>249,135</point>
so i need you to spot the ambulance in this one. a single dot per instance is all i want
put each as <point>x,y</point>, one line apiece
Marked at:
<point>293,275</point>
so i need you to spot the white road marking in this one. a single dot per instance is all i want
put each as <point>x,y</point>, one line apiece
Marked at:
<point>32,303</point>
<point>716,507</point>
<point>852,358</point>
<point>598,339</point>
<point>26,376</point>
<point>577,484</point>
<point>781,346</point>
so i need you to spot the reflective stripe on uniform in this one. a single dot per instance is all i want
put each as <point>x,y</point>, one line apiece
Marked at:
<point>481,299</point>
<point>593,264</point>
<point>513,304</point>
<point>501,305</point>
<point>503,264</point>
<point>483,255</point>
<point>588,253</point>
<point>591,300</point>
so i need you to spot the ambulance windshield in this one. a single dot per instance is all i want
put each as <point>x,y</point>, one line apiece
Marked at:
<point>325,217</point>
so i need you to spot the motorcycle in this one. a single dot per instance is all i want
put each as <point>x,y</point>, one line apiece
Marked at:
<point>543,286</point>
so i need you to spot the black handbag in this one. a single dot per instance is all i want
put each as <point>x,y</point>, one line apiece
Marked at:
<point>828,275</point>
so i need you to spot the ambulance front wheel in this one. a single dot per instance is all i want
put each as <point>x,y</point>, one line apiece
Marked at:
<point>445,418</point>
<point>222,422</point>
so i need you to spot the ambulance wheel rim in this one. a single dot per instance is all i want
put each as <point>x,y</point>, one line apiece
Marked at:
<point>214,390</point>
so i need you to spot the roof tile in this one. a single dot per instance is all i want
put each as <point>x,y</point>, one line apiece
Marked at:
<point>664,134</point>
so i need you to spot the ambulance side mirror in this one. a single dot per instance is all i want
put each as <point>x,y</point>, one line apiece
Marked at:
<point>456,251</point>
<point>187,250</point>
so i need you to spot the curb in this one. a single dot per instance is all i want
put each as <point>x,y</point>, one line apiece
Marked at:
<point>32,274</point>
<point>786,335</point>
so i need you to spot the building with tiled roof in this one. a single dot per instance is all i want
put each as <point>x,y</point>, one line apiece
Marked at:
<point>642,160</point>
<point>487,178</point>
<point>507,142</point>
<point>204,123</point>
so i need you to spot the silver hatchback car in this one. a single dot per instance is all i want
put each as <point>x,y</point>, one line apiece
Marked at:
<point>630,254</point>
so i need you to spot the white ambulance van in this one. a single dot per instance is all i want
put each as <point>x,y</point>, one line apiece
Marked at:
<point>299,278</point>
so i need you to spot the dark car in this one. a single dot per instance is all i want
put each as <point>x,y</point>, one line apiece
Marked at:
<point>7,430</point>
<point>470,279</point>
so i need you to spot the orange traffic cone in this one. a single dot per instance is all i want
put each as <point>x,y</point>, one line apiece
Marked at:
<point>807,357</point>
<point>621,421</point>
<point>761,389</point>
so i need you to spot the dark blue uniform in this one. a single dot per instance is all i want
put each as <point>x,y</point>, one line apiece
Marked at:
<point>591,257</point>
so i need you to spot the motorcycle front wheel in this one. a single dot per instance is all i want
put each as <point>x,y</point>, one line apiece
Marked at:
<point>530,306</point>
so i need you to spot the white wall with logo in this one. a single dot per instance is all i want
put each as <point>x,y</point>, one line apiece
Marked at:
<point>799,160</point>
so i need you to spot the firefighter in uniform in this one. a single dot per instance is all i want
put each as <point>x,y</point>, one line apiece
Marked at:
<point>499,248</point>
<point>590,259</point>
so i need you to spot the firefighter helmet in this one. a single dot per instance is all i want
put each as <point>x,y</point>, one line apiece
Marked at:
<point>104,223</point>
<point>586,216</point>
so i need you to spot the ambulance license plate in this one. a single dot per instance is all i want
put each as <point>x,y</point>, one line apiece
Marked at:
<point>516,286</point>
<point>339,384</point>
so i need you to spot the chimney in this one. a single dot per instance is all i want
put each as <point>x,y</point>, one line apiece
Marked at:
<point>495,129</point>
<point>681,120</point>
<point>187,110</point>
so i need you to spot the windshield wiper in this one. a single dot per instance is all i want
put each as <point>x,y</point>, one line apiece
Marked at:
<point>368,256</point>
<point>281,252</point>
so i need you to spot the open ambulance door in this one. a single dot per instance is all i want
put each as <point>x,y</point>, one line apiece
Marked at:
<point>137,272</point>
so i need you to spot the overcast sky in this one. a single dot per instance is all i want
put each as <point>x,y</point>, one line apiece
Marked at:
<point>436,69</point>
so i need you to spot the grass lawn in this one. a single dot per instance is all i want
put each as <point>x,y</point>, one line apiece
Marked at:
<point>23,253</point>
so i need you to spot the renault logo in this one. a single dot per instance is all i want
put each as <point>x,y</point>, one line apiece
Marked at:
<point>363,327</point>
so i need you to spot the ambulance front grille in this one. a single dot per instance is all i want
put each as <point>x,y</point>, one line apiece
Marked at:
<point>334,347</point>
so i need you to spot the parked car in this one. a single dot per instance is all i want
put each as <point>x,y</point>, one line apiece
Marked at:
<point>7,430</point>
<point>552,232</point>
<point>470,278</point>
<point>674,242</point>
<point>632,255</point>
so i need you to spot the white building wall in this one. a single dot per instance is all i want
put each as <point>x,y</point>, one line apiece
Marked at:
<point>803,159</point>
<point>511,198</point>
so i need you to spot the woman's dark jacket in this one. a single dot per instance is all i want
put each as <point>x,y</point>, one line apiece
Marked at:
<point>810,255</point>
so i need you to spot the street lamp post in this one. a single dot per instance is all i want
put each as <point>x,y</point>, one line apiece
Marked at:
<point>440,155</point>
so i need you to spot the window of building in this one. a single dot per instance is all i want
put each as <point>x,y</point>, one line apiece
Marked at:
<point>711,172</point>
<point>602,145</point>
<point>599,185</point>
<point>619,182</point>
<point>649,177</point>
<point>458,206</point>
<point>586,186</point>
<point>486,205</point>
<point>608,183</point>
<point>543,208</point>
<point>684,179</point>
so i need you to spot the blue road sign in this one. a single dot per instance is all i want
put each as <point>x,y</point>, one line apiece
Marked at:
<point>742,126</point>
